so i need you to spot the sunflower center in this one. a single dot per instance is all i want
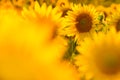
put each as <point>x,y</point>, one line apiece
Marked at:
<point>118,25</point>
<point>84,23</point>
<point>109,64</point>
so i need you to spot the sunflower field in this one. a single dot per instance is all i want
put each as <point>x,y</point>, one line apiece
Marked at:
<point>59,39</point>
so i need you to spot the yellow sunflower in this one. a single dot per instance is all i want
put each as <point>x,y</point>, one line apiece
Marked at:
<point>30,4</point>
<point>8,5</point>
<point>11,39</point>
<point>104,10</point>
<point>100,57</point>
<point>81,21</point>
<point>114,20</point>
<point>115,7</point>
<point>112,9</point>
<point>18,3</point>
<point>45,16</point>
<point>62,3</point>
<point>5,4</point>
<point>24,56</point>
<point>64,6</point>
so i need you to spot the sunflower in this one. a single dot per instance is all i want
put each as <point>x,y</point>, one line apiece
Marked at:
<point>115,7</point>
<point>112,9</point>
<point>104,10</point>
<point>18,3</point>
<point>45,16</point>
<point>62,3</point>
<point>100,57</point>
<point>81,21</point>
<point>11,38</point>
<point>114,20</point>
<point>64,6</point>
<point>30,4</point>
<point>24,56</point>
<point>8,5</point>
<point>5,4</point>
<point>104,13</point>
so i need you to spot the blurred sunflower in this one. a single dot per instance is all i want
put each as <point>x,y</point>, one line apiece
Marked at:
<point>64,6</point>
<point>112,8</point>
<point>12,48</point>
<point>104,10</point>
<point>114,20</point>
<point>5,4</point>
<point>8,5</point>
<point>81,21</point>
<point>98,62</point>
<point>18,3</point>
<point>45,16</point>
<point>62,3</point>
<point>24,54</point>
<point>30,4</point>
<point>115,7</point>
